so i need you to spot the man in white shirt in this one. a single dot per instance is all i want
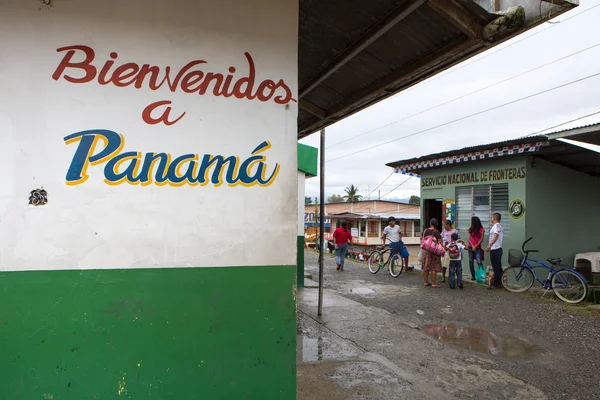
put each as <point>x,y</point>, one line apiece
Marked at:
<point>394,234</point>
<point>495,250</point>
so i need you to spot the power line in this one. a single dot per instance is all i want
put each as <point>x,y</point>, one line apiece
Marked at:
<point>469,116</point>
<point>402,183</point>
<point>564,123</point>
<point>468,94</point>
<point>372,191</point>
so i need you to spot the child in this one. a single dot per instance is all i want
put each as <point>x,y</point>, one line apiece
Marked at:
<point>446,234</point>
<point>455,249</point>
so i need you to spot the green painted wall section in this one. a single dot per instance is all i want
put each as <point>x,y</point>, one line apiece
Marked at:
<point>516,188</point>
<point>308,159</point>
<point>563,214</point>
<point>172,334</point>
<point>300,262</point>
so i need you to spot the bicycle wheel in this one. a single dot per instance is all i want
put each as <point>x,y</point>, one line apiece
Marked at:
<point>569,287</point>
<point>375,261</point>
<point>396,266</point>
<point>517,279</point>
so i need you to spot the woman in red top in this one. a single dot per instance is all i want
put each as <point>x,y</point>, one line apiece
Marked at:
<point>341,237</point>
<point>476,235</point>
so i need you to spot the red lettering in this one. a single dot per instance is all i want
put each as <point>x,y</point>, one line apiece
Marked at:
<point>173,85</point>
<point>104,71</point>
<point>218,78</point>
<point>188,79</point>
<point>191,79</point>
<point>288,93</point>
<point>164,118</point>
<point>260,92</point>
<point>249,81</point>
<point>85,65</point>
<point>154,71</point>
<point>124,72</point>
<point>225,92</point>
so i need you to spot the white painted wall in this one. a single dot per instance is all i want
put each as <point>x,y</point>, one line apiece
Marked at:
<point>301,207</point>
<point>95,225</point>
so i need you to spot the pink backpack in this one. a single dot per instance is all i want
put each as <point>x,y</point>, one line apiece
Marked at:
<point>430,244</point>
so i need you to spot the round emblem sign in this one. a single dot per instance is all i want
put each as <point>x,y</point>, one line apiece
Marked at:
<point>516,209</point>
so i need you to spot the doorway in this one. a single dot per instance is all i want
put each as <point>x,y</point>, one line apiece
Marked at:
<point>432,208</point>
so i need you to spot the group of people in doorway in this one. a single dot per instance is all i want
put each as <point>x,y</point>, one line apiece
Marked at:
<point>453,247</point>
<point>451,260</point>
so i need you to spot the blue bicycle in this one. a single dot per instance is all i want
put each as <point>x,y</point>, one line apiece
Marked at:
<point>568,285</point>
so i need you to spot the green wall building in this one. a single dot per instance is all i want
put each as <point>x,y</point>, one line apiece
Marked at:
<point>542,186</point>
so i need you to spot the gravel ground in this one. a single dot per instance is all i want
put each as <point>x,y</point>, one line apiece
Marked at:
<point>545,343</point>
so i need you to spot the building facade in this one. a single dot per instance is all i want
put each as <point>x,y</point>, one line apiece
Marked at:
<point>542,188</point>
<point>134,139</point>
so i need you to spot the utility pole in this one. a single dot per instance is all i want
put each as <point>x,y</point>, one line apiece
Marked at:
<point>321,221</point>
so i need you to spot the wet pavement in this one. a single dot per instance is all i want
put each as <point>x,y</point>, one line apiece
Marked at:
<point>392,338</point>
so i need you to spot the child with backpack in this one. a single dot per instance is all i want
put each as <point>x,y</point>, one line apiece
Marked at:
<point>454,250</point>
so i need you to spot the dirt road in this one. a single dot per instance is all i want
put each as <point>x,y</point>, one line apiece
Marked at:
<point>392,338</point>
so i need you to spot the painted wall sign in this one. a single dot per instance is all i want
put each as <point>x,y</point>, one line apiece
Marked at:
<point>484,176</point>
<point>448,210</point>
<point>516,209</point>
<point>162,146</point>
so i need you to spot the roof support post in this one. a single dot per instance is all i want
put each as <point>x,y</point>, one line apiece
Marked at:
<point>363,42</point>
<point>321,221</point>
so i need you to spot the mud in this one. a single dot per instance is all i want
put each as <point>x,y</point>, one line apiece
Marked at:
<point>392,338</point>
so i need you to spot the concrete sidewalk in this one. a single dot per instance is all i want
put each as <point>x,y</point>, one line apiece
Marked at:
<point>360,352</point>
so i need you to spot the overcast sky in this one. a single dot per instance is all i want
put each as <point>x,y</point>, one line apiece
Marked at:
<point>367,169</point>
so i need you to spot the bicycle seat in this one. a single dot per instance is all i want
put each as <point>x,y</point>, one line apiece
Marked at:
<point>555,260</point>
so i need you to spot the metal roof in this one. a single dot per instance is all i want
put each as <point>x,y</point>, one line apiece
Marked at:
<point>353,54</point>
<point>548,147</point>
<point>469,150</point>
<point>382,216</point>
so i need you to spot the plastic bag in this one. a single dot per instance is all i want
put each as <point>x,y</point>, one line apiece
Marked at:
<point>480,275</point>
<point>420,255</point>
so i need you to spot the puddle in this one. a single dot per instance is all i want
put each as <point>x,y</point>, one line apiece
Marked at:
<point>362,290</point>
<point>482,341</point>
<point>323,347</point>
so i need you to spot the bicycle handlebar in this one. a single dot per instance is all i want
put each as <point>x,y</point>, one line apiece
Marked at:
<point>528,251</point>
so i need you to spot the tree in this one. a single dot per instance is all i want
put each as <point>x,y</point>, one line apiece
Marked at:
<point>335,198</point>
<point>416,200</point>
<point>352,194</point>
<point>307,200</point>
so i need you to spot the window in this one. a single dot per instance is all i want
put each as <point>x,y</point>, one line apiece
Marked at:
<point>418,228</point>
<point>482,201</point>
<point>362,228</point>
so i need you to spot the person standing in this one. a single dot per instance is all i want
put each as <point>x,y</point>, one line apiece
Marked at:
<point>476,235</point>
<point>341,237</point>
<point>431,262</point>
<point>455,249</point>
<point>447,233</point>
<point>495,250</point>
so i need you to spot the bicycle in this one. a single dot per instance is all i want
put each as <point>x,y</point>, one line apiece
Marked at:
<point>568,285</point>
<point>375,261</point>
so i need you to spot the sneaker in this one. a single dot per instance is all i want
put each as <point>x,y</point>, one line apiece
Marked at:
<point>451,286</point>
<point>473,279</point>
<point>491,287</point>
<point>461,286</point>
<point>339,266</point>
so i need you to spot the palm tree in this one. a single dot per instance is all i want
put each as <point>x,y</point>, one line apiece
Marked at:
<point>352,194</point>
